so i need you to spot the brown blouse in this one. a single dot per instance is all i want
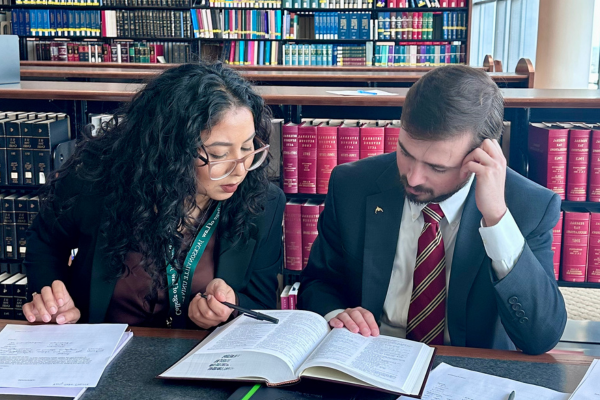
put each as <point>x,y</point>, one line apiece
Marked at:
<point>134,302</point>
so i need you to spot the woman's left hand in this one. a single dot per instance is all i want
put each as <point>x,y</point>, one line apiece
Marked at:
<point>209,312</point>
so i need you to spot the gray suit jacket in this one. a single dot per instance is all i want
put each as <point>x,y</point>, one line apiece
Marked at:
<point>351,260</point>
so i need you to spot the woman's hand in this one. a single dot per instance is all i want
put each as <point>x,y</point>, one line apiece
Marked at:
<point>209,312</point>
<point>53,304</point>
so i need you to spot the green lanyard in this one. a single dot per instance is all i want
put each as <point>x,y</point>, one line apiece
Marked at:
<point>180,285</point>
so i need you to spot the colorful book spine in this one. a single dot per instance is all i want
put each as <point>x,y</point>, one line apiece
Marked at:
<point>307,158</point>
<point>391,135</point>
<point>575,246</point>
<point>290,157</point>
<point>293,235</point>
<point>327,154</point>
<point>577,169</point>
<point>285,298</point>
<point>348,143</point>
<point>371,140</point>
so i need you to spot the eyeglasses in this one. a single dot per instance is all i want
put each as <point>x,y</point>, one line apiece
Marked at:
<point>223,168</point>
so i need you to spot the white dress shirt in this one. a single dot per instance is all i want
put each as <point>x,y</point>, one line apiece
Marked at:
<point>503,243</point>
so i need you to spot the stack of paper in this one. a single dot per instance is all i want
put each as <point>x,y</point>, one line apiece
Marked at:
<point>589,387</point>
<point>57,360</point>
<point>450,383</point>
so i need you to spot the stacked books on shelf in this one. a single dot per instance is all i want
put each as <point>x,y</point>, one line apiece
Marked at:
<point>328,54</point>
<point>250,52</point>
<point>117,52</point>
<point>13,294</point>
<point>327,4</point>
<point>328,25</point>
<point>401,54</point>
<point>318,145</point>
<point>289,297</point>
<point>420,3</point>
<point>146,23</point>
<point>236,24</point>
<point>56,22</point>
<point>565,157</point>
<point>448,25</point>
<point>300,231</point>
<point>145,3</point>
<point>247,3</point>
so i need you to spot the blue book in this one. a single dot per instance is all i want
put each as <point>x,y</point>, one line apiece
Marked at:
<point>268,54</point>
<point>318,25</point>
<point>33,26</point>
<point>462,25</point>
<point>454,25</point>
<point>195,27</point>
<point>319,54</point>
<point>59,24</point>
<point>336,25</point>
<point>65,22</point>
<point>397,54</point>
<point>364,31</point>
<point>329,54</point>
<point>313,54</point>
<point>242,53</point>
<point>354,26</point>
<point>445,23</point>
<point>294,54</point>
<point>41,26</point>
<point>261,53</point>
<point>53,27</point>
<point>343,26</point>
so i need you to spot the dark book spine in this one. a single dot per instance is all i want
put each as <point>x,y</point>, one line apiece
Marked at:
<point>13,156</point>
<point>20,297</point>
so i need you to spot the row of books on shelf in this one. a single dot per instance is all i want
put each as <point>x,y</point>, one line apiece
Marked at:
<point>250,52</point>
<point>289,297</point>
<point>244,4</point>
<point>300,219</point>
<point>328,4</point>
<point>565,157</point>
<point>576,245</point>
<point>420,3</point>
<point>27,143</point>
<point>328,25</point>
<point>146,23</point>
<point>236,24</point>
<point>18,212</point>
<point>419,55</point>
<point>328,54</point>
<point>106,3</point>
<point>118,52</point>
<point>13,294</point>
<point>447,25</point>
<point>56,22</point>
<point>311,149</point>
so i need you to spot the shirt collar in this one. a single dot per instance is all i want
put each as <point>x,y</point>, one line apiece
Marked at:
<point>451,207</point>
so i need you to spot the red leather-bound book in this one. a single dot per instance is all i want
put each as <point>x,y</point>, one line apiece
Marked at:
<point>285,298</point>
<point>289,151</point>
<point>577,164</point>
<point>327,153</point>
<point>348,142</point>
<point>307,158</point>
<point>547,145</point>
<point>575,246</point>
<point>310,217</point>
<point>557,245</point>
<point>391,134</point>
<point>371,140</point>
<point>292,221</point>
<point>593,271</point>
<point>293,296</point>
<point>594,176</point>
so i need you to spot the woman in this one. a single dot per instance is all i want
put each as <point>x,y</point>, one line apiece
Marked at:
<point>185,159</point>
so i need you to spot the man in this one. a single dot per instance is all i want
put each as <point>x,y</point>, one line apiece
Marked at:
<point>440,241</point>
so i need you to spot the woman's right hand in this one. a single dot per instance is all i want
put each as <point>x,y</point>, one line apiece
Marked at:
<point>52,304</point>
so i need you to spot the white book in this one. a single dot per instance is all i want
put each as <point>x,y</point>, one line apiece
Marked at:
<point>302,345</point>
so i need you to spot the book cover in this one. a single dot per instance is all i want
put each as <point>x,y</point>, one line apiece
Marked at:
<point>348,142</point>
<point>284,298</point>
<point>575,245</point>
<point>594,175</point>
<point>371,140</point>
<point>46,135</point>
<point>20,297</point>
<point>593,271</point>
<point>327,153</point>
<point>307,158</point>
<point>293,296</point>
<point>547,148</point>
<point>577,163</point>
<point>557,245</point>
<point>391,135</point>
<point>310,218</point>
<point>13,151</point>
<point>292,220</point>
<point>7,300</point>
<point>9,223</point>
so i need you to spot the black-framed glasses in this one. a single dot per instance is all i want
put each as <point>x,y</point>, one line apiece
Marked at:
<point>223,168</point>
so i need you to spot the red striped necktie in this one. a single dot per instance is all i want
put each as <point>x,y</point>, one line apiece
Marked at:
<point>427,311</point>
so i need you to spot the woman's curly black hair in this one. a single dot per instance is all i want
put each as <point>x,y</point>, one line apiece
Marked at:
<point>143,161</point>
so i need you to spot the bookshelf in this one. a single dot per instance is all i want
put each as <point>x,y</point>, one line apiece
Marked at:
<point>265,31</point>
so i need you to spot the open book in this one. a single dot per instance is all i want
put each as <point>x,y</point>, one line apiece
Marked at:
<point>303,346</point>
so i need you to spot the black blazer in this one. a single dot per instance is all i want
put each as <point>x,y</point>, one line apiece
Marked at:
<point>351,260</point>
<point>250,269</point>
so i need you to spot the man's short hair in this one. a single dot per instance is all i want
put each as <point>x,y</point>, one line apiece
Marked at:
<point>453,100</point>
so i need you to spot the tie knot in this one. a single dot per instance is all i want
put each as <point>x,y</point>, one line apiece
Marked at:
<point>433,213</point>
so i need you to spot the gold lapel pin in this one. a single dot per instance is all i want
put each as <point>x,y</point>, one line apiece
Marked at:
<point>378,209</point>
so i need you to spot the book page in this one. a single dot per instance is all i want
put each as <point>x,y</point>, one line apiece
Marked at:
<point>249,349</point>
<point>393,364</point>
<point>451,383</point>
<point>588,388</point>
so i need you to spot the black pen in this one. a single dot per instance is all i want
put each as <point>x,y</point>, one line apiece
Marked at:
<point>250,313</point>
<point>511,396</point>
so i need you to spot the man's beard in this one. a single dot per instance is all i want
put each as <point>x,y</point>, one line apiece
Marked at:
<point>423,190</point>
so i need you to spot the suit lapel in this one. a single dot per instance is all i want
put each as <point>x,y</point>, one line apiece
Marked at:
<point>383,214</point>
<point>102,286</point>
<point>469,253</point>
<point>232,260</point>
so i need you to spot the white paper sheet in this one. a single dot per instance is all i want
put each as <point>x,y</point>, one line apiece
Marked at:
<point>589,387</point>
<point>35,356</point>
<point>366,92</point>
<point>451,383</point>
<point>73,392</point>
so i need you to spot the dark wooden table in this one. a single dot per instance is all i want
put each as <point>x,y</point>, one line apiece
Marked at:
<point>133,373</point>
